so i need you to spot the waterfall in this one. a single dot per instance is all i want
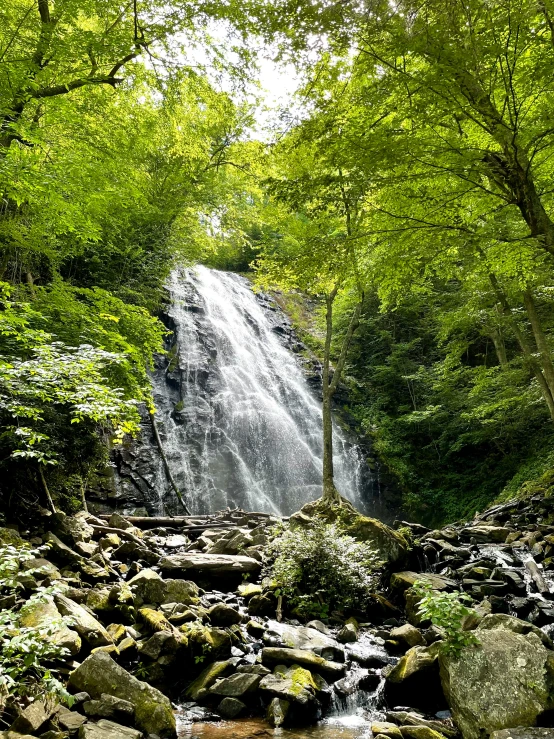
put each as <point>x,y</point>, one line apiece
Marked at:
<point>239,422</point>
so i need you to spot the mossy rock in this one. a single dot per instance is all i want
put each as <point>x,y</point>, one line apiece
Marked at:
<point>390,545</point>
<point>99,674</point>
<point>199,687</point>
<point>10,538</point>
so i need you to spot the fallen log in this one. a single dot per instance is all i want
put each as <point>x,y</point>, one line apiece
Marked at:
<point>209,521</point>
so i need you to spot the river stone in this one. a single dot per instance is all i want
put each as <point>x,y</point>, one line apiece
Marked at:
<point>406,579</point>
<point>89,628</point>
<point>110,707</point>
<point>485,534</point>
<point>249,589</point>
<point>44,613</point>
<point>99,674</point>
<point>420,732</point>
<point>386,729</point>
<point>416,659</point>
<point>282,655</point>
<point>408,634</point>
<point>348,633</point>
<point>34,716</point>
<point>209,564</point>
<point>199,687</point>
<point>498,683</point>
<point>224,615</point>
<point>294,684</point>
<point>389,545</point>
<point>237,685</point>
<point>277,712</point>
<point>107,730</point>
<point>516,625</point>
<point>69,720</point>
<point>230,707</point>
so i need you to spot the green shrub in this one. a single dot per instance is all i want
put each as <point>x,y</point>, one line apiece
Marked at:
<point>27,655</point>
<point>321,569</point>
<point>447,611</point>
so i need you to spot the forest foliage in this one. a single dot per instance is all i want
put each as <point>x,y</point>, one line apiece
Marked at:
<point>411,194</point>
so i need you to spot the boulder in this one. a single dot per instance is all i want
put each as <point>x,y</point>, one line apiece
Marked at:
<point>107,730</point>
<point>34,716</point>
<point>237,685</point>
<point>277,712</point>
<point>407,578</point>
<point>499,683</point>
<point>99,674</point>
<point>249,589</point>
<point>45,613</point>
<point>71,529</point>
<point>484,533</point>
<point>516,625</point>
<point>61,552</point>
<point>408,634</point>
<point>416,659</point>
<point>44,567</point>
<point>199,687</point>
<point>215,565</point>
<point>420,732</point>
<point>349,632</point>
<point>390,545</point>
<point>224,615</point>
<point>293,684</point>
<point>230,707</point>
<point>385,728</point>
<point>89,628</point>
<point>69,720</point>
<point>110,707</point>
<point>304,658</point>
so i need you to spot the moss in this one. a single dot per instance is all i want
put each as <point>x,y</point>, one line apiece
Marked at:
<point>9,537</point>
<point>302,679</point>
<point>155,620</point>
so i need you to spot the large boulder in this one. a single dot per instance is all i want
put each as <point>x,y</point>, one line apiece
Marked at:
<point>304,658</point>
<point>43,614</point>
<point>390,545</point>
<point>501,682</point>
<point>215,565</point>
<point>99,675</point>
<point>149,587</point>
<point>88,627</point>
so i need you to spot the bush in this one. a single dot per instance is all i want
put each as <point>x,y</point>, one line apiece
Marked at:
<point>447,611</point>
<point>27,654</point>
<point>321,569</point>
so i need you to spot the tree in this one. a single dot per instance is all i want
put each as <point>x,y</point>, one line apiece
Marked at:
<point>318,214</point>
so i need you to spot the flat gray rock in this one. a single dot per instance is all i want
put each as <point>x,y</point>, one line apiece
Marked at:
<point>214,564</point>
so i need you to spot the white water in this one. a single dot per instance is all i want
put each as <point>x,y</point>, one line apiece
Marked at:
<point>251,435</point>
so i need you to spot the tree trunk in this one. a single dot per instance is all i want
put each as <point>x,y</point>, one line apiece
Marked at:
<point>524,345</point>
<point>330,492</point>
<point>166,464</point>
<point>540,338</point>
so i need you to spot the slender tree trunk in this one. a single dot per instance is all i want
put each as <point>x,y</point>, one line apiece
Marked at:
<point>524,345</point>
<point>540,338</point>
<point>330,492</point>
<point>166,464</point>
<point>46,490</point>
<point>499,347</point>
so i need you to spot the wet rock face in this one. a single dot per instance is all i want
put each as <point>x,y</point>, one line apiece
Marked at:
<point>236,414</point>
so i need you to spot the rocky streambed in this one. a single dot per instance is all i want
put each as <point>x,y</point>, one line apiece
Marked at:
<point>169,631</point>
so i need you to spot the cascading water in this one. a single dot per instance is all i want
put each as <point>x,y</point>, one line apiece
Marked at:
<point>239,423</point>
